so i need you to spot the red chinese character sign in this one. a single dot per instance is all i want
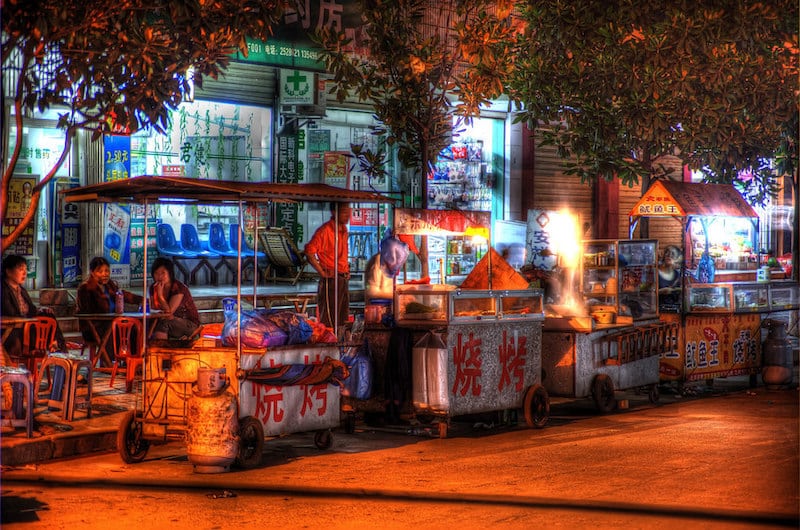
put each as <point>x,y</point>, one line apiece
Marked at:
<point>290,408</point>
<point>491,365</point>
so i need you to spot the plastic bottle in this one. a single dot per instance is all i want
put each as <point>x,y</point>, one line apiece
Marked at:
<point>119,303</point>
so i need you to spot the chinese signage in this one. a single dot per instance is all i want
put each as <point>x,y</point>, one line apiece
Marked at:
<point>116,225</point>
<point>137,239</point>
<point>286,214</point>
<point>715,346</point>
<point>292,45</point>
<point>441,222</point>
<point>20,192</point>
<point>67,230</point>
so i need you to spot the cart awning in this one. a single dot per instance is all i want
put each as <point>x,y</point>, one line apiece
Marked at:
<point>666,198</point>
<point>202,191</point>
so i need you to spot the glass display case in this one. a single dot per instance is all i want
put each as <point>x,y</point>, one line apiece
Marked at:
<point>483,305</point>
<point>783,296</point>
<point>709,297</point>
<point>621,274</point>
<point>456,255</point>
<point>416,305</point>
<point>750,297</point>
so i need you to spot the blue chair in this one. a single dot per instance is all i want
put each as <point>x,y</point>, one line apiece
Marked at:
<point>190,242</point>
<point>217,243</point>
<point>168,245</point>
<point>248,254</point>
<point>247,250</point>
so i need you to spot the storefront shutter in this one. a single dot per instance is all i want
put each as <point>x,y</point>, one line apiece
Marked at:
<point>242,83</point>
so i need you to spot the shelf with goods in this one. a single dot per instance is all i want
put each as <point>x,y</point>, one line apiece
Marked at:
<point>621,275</point>
<point>460,179</point>
<point>452,258</point>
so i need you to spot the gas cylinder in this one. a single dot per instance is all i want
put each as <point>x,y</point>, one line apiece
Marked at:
<point>212,425</point>
<point>777,370</point>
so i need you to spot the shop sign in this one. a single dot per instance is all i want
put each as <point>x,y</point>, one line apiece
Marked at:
<point>715,346</point>
<point>137,240</point>
<point>297,87</point>
<point>292,45</point>
<point>414,221</point>
<point>20,193</point>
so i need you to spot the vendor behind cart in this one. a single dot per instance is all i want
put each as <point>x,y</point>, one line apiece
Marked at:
<point>333,298</point>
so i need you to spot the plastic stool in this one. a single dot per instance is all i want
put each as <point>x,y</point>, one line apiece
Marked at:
<point>20,376</point>
<point>64,395</point>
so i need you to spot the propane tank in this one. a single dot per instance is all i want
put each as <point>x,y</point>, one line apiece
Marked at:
<point>212,426</point>
<point>777,370</point>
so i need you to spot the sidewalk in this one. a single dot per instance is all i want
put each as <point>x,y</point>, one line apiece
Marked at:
<point>54,437</point>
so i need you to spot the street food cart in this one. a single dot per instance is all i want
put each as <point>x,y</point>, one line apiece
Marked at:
<point>610,337</point>
<point>724,292</point>
<point>271,392</point>
<point>478,345</point>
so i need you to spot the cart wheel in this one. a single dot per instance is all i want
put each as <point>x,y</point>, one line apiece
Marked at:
<point>603,393</point>
<point>323,439</point>
<point>653,394</point>
<point>536,406</point>
<point>130,444</point>
<point>251,442</point>
<point>350,423</point>
<point>442,429</point>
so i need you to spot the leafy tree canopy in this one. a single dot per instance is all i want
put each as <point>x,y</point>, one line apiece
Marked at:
<point>422,65</point>
<point>618,84</point>
<point>119,65</point>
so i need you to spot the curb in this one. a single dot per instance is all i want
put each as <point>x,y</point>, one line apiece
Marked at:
<point>47,448</point>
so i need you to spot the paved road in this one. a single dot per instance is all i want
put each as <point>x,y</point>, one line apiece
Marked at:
<point>724,461</point>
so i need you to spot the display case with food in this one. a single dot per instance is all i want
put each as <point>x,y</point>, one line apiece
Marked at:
<point>488,306</point>
<point>710,298</point>
<point>750,297</point>
<point>424,305</point>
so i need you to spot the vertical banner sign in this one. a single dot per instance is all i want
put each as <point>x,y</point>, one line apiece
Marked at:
<point>539,240</point>
<point>116,239</point>
<point>20,191</point>
<point>67,241</point>
<point>286,213</point>
<point>137,240</point>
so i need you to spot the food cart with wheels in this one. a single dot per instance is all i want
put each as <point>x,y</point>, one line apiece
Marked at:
<point>610,337</point>
<point>724,293</point>
<point>267,391</point>
<point>477,346</point>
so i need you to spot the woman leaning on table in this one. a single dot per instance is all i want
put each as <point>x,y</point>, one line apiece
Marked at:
<point>180,319</point>
<point>98,295</point>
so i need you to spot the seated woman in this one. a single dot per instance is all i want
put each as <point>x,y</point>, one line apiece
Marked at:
<point>16,302</point>
<point>669,279</point>
<point>98,295</point>
<point>180,319</point>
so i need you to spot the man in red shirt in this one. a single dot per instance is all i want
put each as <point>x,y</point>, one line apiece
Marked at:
<point>333,298</point>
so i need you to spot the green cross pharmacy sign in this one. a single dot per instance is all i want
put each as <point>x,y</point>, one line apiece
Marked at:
<point>297,87</point>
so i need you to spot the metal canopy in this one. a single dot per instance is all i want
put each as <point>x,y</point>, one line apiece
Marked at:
<point>152,189</point>
<point>667,198</point>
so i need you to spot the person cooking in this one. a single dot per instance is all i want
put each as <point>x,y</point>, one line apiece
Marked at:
<point>333,297</point>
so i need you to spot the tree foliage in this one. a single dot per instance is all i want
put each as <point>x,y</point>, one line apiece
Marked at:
<point>426,64</point>
<point>116,66</point>
<point>617,85</point>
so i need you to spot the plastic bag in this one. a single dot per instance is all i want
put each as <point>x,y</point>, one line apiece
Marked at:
<point>394,254</point>
<point>266,328</point>
<point>358,384</point>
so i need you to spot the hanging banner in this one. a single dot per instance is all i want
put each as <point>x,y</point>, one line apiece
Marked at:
<point>66,238</point>
<point>20,192</point>
<point>137,240</point>
<point>442,222</point>
<point>116,238</point>
<point>286,214</point>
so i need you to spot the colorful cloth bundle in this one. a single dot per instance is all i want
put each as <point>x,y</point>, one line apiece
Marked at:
<point>330,371</point>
